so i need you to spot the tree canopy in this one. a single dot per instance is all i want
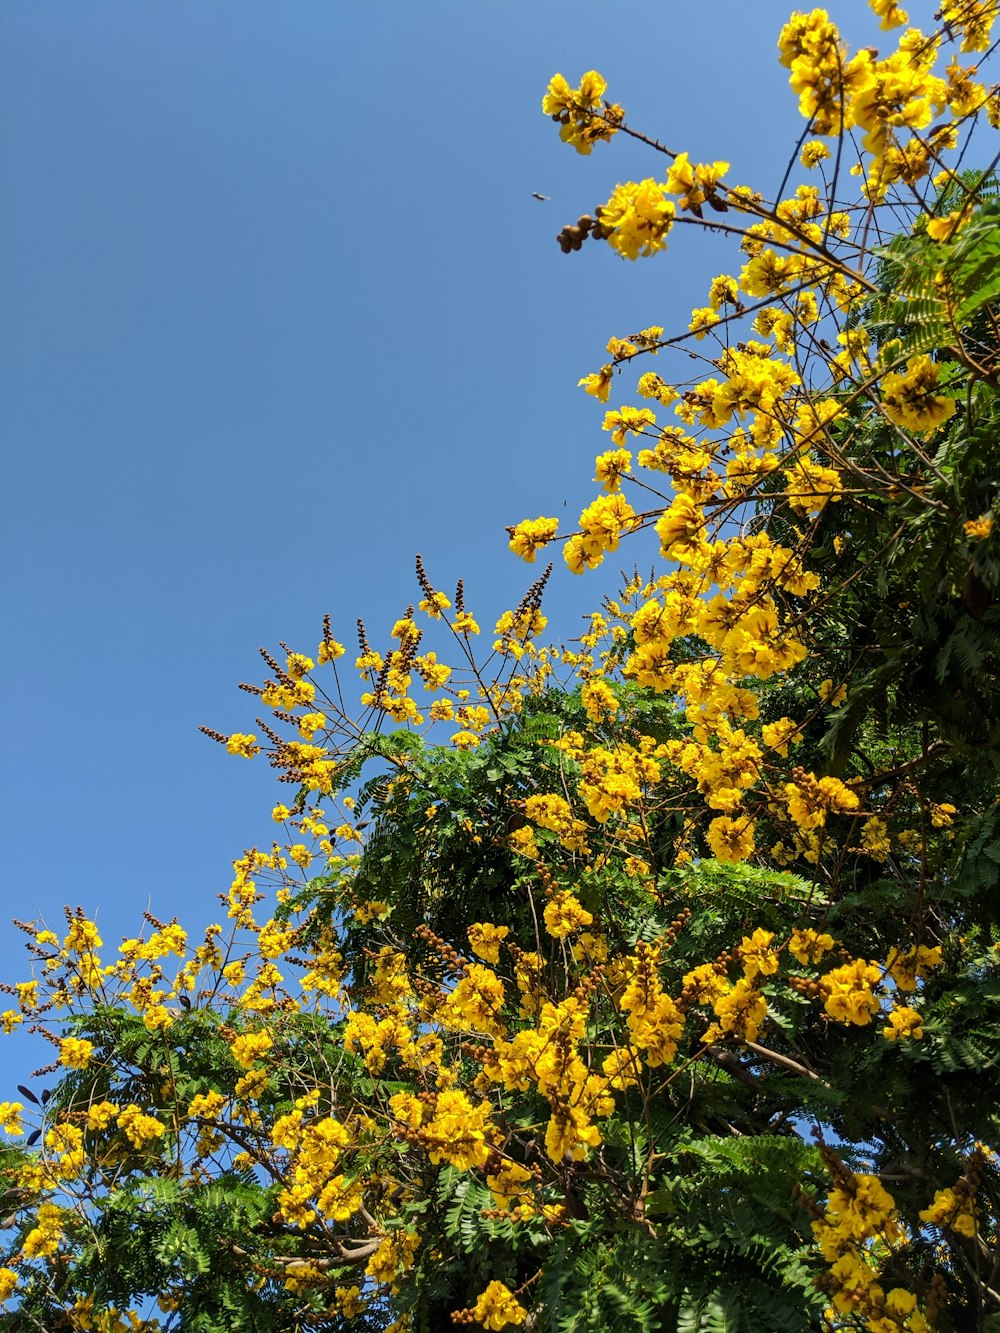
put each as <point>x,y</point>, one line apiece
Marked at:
<point>648,980</point>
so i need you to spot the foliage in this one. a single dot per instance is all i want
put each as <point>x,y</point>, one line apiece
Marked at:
<point>649,981</point>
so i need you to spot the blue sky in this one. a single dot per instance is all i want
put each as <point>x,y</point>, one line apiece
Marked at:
<point>277,310</point>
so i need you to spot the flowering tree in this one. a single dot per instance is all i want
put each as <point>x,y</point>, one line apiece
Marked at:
<point>649,981</point>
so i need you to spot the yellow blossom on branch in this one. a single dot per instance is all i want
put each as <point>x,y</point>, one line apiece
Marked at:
<point>637,218</point>
<point>497,1308</point>
<point>911,399</point>
<point>531,535</point>
<point>564,915</point>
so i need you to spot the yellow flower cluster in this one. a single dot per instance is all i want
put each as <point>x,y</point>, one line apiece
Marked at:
<point>554,812</point>
<point>637,218</point>
<point>10,1117</point>
<point>138,1127</point>
<point>564,916</point>
<point>459,1131</point>
<point>912,400</point>
<point>655,1022</point>
<point>953,1209</point>
<point>530,535</point>
<point>847,992</point>
<point>582,117</point>
<point>497,1308</point>
<point>75,1052</point>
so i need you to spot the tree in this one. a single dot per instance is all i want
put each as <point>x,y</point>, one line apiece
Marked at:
<point>651,981</point>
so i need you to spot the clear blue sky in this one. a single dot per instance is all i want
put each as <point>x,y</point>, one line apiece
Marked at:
<point>277,310</point>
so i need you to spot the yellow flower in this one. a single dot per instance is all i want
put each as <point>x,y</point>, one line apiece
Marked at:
<point>75,1052</point>
<point>759,959</point>
<point>951,1208</point>
<point>531,535</point>
<point>810,799</point>
<point>101,1114</point>
<point>496,1308</point>
<point>138,1127</point>
<point>44,1238</point>
<point>206,1106</point>
<point>564,915</point>
<point>741,1012</point>
<point>458,1131</point>
<point>694,184</point>
<point>848,993</point>
<point>681,528</point>
<point>611,466</point>
<point>910,400</point>
<point>485,940</point>
<point>973,19</point>
<point>637,218</point>
<point>723,291</point>
<point>891,14</point>
<point>251,1046</point>
<point>978,529</point>
<point>10,1117</point>
<point>702,320</point>
<point>811,486</point>
<point>598,385</point>
<point>247,746</point>
<point>813,153</point>
<point>329,650</point>
<point>944,228</point>
<point>908,966</point>
<point>464,623</point>
<point>903,1023</point>
<point>599,700</point>
<point>831,694</point>
<point>157,1018</point>
<point>809,946</point>
<point>731,839</point>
